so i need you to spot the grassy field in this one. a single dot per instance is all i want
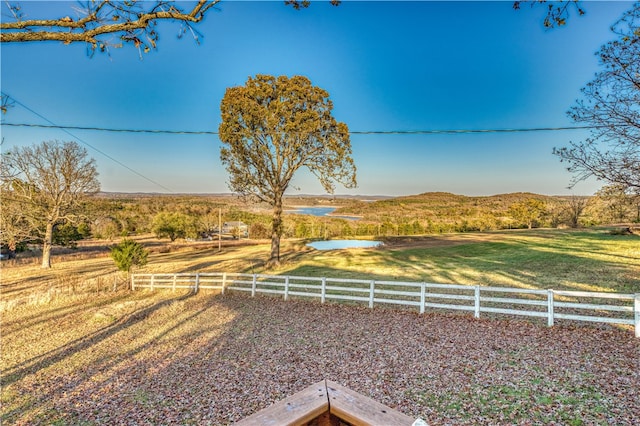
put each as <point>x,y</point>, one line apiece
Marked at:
<point>562,260</point>
<point>592,260</point>
<point>76,352</point>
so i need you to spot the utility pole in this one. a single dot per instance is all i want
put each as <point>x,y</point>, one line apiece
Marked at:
<point>219,229</point>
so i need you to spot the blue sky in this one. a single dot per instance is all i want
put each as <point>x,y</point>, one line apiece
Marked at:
<point>387,66</point>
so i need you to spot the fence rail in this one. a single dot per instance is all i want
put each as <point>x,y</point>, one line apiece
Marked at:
<point>615,308</point>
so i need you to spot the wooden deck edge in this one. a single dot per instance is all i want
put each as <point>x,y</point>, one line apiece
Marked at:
<point>360,410</point>
<point>298,409</point>
<point>328,398</point>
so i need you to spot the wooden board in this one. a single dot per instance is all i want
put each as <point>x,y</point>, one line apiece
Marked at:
<point>295,410</point>
<point>327,403</point>
<point>359,410</point>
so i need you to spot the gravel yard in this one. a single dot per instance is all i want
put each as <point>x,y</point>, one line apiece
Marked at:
<point>162,358</point>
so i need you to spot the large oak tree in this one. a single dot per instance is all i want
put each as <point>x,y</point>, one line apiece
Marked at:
<point>273,126</point>
<point>46,183</point>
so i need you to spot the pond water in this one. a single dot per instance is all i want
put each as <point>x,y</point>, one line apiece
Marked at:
<point>343,244</point>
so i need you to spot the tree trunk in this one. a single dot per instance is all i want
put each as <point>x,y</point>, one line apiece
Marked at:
<point>46,246</point>
<point>276,233</point>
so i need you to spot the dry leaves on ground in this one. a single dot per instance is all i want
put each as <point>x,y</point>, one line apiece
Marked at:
<point>161,358</point>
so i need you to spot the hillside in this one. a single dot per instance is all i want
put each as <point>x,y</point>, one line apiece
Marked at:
<point>113,215</point>
<point>446,212</point>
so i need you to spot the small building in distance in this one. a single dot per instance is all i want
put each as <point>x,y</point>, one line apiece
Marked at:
<point>236,228</point>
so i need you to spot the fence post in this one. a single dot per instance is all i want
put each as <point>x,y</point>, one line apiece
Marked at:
<point>550,308</point>
<point>423,296</point>
<point>636,310</point>
<point>224,281</point>
<point>197,281</point>
<point>372,293</point>
<point>476,306</point>
<point>153,281</point>
<point>286,287</point>
<point>253,285</point>
<point>175,277</point>
<point>323,290</point>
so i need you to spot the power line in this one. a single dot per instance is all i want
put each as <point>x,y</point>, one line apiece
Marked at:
<point>103,129</point>
<point>353,132</point>
<point>64,129</point>
<point>469,131</point>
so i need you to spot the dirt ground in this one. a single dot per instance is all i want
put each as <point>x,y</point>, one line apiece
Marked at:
<point>176,359</point>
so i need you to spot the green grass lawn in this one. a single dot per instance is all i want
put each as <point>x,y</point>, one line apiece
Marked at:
<point>586,260</point>
<point>590,260</point>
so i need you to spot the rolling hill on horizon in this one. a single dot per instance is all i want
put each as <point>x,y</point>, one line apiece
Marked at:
<point>454,211</point>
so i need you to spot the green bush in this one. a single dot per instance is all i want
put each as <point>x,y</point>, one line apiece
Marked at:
<point>128,254</point>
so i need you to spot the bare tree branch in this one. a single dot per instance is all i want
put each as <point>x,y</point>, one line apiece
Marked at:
<point>132,21</point>
<point>558,12</point>
<point>129,21</point>
<point>611,105</point>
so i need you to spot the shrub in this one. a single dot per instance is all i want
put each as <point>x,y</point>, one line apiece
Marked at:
<point>129,253</point>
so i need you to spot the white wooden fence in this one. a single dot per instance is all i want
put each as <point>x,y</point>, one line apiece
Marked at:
<point>615,308</point>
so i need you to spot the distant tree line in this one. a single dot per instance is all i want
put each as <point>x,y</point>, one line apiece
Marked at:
<point>174,217</point>
<point>180,217</point>
<point>115,217</point>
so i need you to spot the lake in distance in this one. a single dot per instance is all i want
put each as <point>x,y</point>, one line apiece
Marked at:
<point>320,211</point>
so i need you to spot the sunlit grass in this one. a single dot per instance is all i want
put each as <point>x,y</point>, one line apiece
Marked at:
<point>591,260</point>
<point>97,337</point>
<point>562,260</point>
